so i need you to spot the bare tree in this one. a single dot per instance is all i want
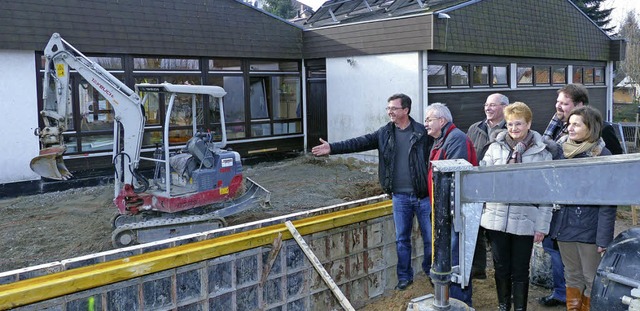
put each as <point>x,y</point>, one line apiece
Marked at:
<point>630,31</point>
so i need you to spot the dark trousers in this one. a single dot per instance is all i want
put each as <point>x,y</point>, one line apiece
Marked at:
<point>511,255</point>
<point>480,255</point>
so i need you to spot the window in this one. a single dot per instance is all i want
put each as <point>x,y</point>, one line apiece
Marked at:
<point>577,74</point>
<point>437,75</point>
<point>559,75</point>
<point>151,63</point>
<point>525,75</point>
<point>109,63</point>
<point>542,75</point>
<point>258,65</point>
<point>481,75</point>
<point>500,76</point>
<point>233,106</point>
<point>225,64</point>
<point>460,75</point>
<point>588,76</point>
<point>287,97</point>
<point>598,75</point>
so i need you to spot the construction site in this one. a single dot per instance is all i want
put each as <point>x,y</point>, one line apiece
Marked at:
<point>151,175</point>
<point>334,203</point>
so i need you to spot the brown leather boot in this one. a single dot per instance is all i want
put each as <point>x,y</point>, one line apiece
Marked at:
<point>574,299</point>
<point>586,303</point>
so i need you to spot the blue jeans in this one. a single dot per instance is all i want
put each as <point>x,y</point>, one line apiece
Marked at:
<point>405,206</point>
<point>455,290</point>
<point>557,270</point>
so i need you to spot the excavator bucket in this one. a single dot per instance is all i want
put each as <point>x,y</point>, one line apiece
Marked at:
<point>49,164</point>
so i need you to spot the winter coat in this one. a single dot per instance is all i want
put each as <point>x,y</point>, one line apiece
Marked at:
<point>518,219</point>
<point>593,224</point>
<point>384,140</point>
<point>452,144</point>
<point>479,135</point>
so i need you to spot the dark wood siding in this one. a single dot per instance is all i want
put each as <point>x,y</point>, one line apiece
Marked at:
<point>467,107</point>
<point>527,28</point>
<point>159,27</point>
<point>384,36</point>
<point>316,103</point>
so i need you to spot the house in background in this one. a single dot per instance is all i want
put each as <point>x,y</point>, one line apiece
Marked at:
<point>626,92</point>
<point>290,84</point>
<point>455,52</point>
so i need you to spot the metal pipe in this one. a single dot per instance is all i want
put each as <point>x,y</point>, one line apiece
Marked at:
<point>441,233</point>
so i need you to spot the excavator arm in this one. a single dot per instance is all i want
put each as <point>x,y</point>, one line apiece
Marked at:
<point>129,113</point>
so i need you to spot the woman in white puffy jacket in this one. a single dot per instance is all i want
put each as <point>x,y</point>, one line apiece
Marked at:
<point>513,228</point>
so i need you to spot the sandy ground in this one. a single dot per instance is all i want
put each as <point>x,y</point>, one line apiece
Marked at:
<point>54,226</point>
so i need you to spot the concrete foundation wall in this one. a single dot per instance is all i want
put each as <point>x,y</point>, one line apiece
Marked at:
<point>360,258</point>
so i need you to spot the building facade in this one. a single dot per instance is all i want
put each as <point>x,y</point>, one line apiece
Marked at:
<point>289,84</point>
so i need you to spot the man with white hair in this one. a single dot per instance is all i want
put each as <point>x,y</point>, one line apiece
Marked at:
<point>450,143</point>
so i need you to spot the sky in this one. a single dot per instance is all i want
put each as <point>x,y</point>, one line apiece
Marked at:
<point>620,8</point>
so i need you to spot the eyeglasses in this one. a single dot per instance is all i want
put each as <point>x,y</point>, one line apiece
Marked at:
<point>427,120</point>
<point>392,109</point>
<point>492,105</point>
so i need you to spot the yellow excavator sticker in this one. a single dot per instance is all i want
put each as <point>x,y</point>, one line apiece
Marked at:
<point>224,190</point>
<point>60,70</point>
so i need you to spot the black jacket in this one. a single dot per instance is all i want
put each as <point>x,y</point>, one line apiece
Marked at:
<point>593,224</point>
<point>384,140</point>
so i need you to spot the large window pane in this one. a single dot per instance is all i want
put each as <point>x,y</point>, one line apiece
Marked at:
<point>588,76</point>
<point>260,130</point>
<point>234,100</point>
<point>481,75</point>
<point>525,75</point>
<point>96,112</point>
<point>598,75</point>
<point>287,127</point>
<point>286,98</point>
<point>236,131</point>
<point>109,63</point>
<point>577,74</point>
<point>437,75</point>
<point>460,75</point>
<point>559,75</point>
<point>500,76</point>
<point>180,136</point>
<point>97,143</point>
<point>151,138</point>
<point>151,63</point>
<point>542,75</point>
<point>260,65</point>
<point>258,97</point>
<point>225,64</point>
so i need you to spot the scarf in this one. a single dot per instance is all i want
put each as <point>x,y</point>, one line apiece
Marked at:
<point>518,148</point>
<point>571,148</point>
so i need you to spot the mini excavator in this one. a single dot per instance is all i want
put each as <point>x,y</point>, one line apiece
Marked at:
<point>193,188</point>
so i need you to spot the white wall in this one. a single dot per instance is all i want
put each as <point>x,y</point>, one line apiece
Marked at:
<point>19,115</point>
<point>357,92</point>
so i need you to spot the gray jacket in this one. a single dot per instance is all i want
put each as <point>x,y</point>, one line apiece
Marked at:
<point>518,219</point>
<point>479,135</point>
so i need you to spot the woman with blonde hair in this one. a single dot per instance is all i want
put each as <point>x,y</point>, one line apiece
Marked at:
<point>513,228</point>
<point>582,232</point>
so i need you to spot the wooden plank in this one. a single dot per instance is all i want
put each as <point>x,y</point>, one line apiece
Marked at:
<point>344,302</point>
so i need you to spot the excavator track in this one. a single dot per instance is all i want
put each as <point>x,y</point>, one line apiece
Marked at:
<point>154,226</point>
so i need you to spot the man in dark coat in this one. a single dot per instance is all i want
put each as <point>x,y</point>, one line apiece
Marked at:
<point>403,147</point>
